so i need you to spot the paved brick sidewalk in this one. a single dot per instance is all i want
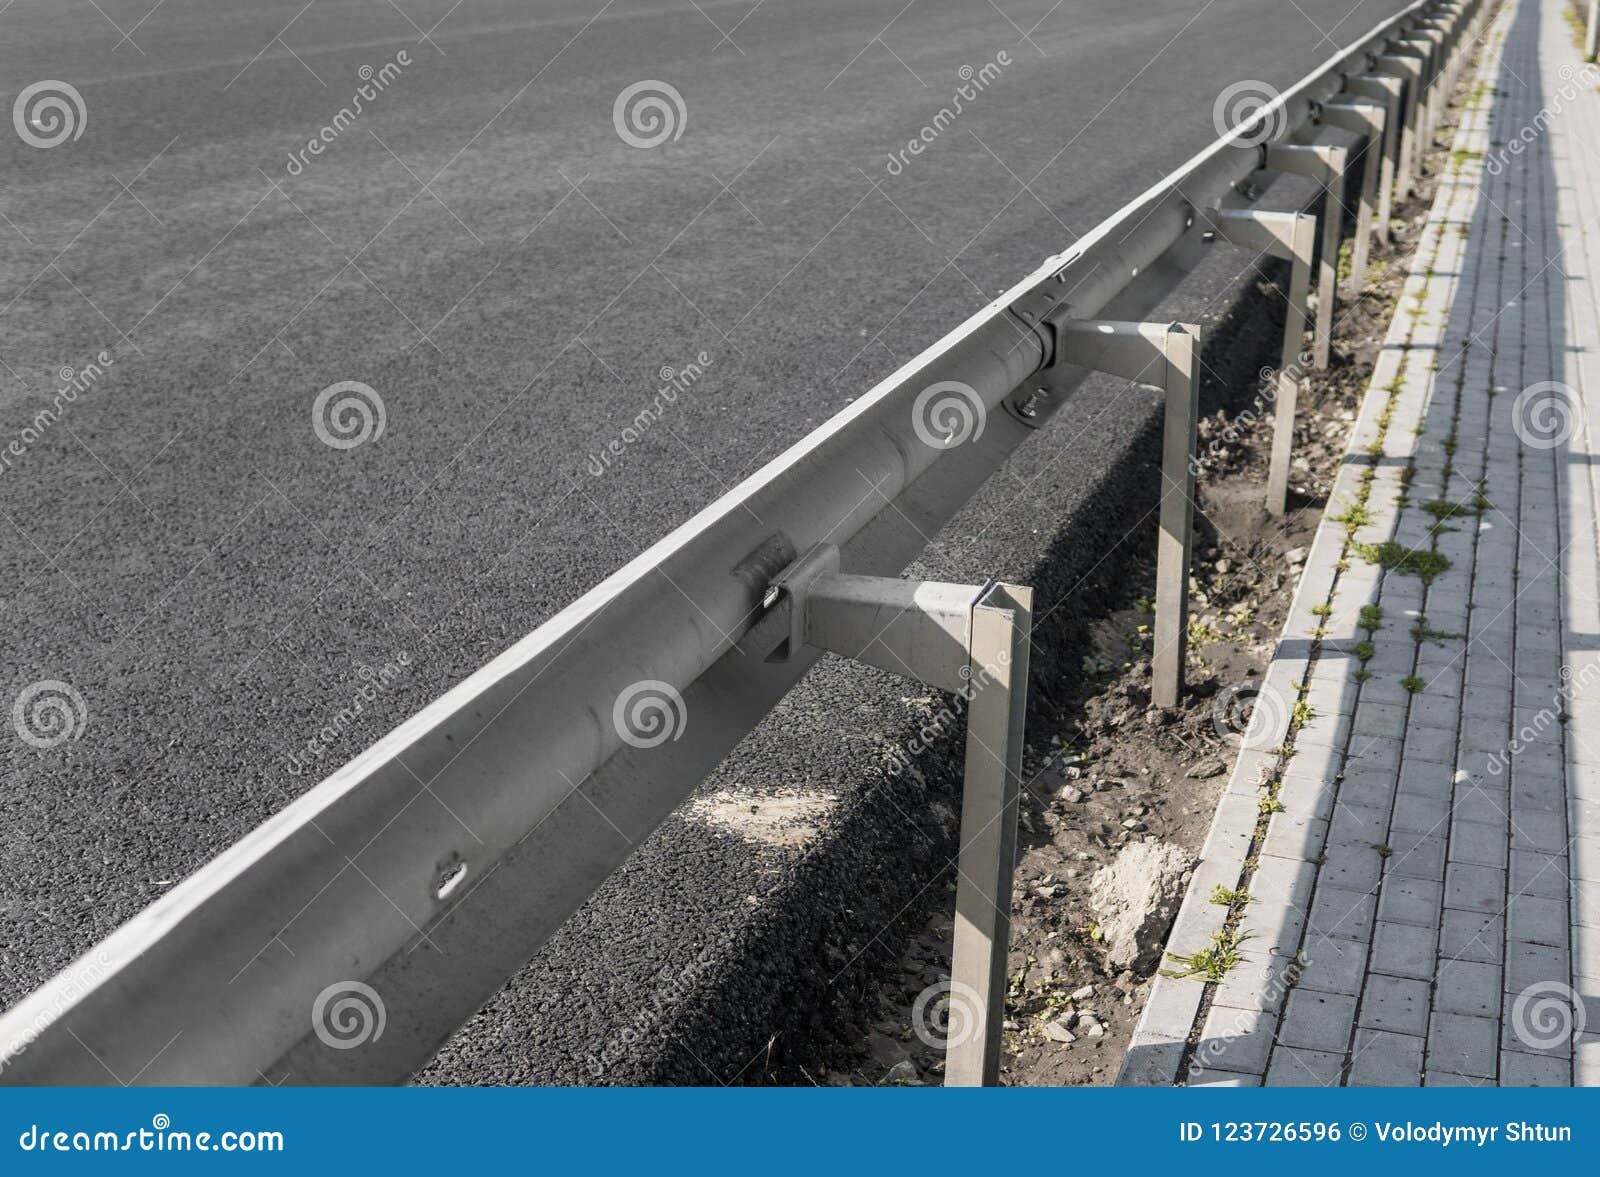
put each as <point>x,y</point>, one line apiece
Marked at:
<point>1423,865</point>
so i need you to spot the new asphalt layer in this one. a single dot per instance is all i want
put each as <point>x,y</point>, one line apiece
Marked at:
<point>478,240</point>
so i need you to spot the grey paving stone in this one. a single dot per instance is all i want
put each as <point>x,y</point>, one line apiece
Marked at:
<point>1534,1070</point>
<point>1535,964</point>
<point>1446,1079</point>
<point>1368,785</point>
<point>1333,965</point>
<point>1320,1021</point>
<point>1469,987</point>
<point>1395,1003</point>
<point>1486,804</point>
<point>1471,935</point>
<point>1382,1058</point>
<point>1294,1066</point>
<point>1413,812</point>
<point>1340,913</point>
<point>1403,950</point>
<point>1538,920</point>
<point>1476,888</point>
<point>1235,1040</point>
<point>1533,873</point>
<point>1464,1045</point>
<point>1426,780</point>
<point>1410,901</point>
<point>1357,825</point>
<point>1416,855</point>
<point>1479,844</point>
<point>1355,868</point>
<point>1533,829</point>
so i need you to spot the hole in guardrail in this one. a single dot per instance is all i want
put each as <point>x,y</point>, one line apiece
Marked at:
<point>449,879</point>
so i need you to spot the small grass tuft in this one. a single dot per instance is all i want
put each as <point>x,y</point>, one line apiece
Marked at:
<point>1419,562</point>
<point>1211,963</point>
<point>1229,896</point>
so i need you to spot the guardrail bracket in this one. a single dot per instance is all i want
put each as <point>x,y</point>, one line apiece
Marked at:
<point>971,640</point>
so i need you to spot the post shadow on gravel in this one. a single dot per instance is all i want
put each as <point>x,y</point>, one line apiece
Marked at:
<point>1485,223</point>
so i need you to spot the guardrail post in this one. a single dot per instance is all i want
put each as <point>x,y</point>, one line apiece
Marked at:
<point>1326,163</point>
<point>1000,627</point>
<point>1167,356</point>
<point>1390,92</point>
<point>1367,120</point>
<point>1591,34</point>
<point>1409,69</point>
<point>1290,235</point>
<point>972,640</point>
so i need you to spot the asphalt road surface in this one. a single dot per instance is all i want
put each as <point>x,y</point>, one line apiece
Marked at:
<point>486,245</point>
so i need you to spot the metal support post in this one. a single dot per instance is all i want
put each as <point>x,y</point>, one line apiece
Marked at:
<point>1325,163</point>
<point>971,640</point>
<point>1167,356</point>
<point>1366,119</point>
<point>1292,236</point>
<point>1409,69</point>
<point>1591,35</point>
<point>1390,92</point>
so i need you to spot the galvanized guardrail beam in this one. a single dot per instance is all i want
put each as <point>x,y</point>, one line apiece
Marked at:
<point>430,868</point>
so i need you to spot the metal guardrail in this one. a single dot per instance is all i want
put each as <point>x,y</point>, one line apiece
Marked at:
<point>434,865</point>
